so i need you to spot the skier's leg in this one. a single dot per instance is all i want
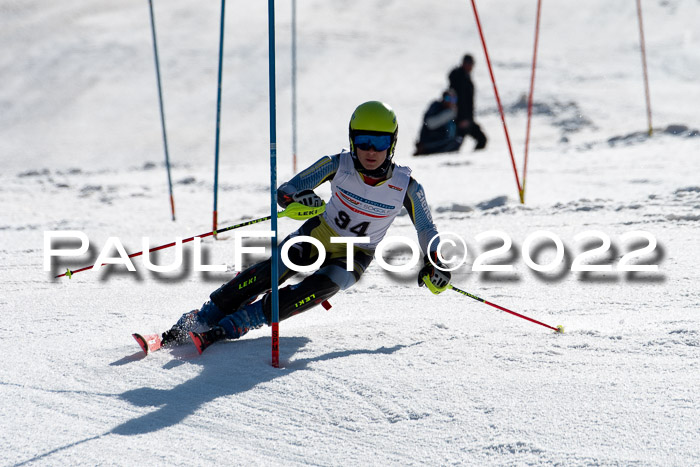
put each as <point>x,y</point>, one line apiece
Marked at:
<point>293,299</point>
<point>297,298</point>
<point>247,285</point>
<point>228,299</point>
<point>231,295</point>
<point>323,284</point>
<point>255,280</point>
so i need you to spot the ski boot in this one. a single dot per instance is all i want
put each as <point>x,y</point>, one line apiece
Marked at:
<point>232,326</point>
<point>205,339</point>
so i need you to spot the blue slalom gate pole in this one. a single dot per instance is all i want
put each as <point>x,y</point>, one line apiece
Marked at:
<point>273,187</point>
<point>644,64</point>
<point>294,86</point>
<point>218,117</point>
<point>162,112</point>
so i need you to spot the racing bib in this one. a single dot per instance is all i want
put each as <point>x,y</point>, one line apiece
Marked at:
<point>361,210</point>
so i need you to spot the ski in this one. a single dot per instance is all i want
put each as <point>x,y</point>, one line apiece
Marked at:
<point>148,342</point>
<point>199,341</point>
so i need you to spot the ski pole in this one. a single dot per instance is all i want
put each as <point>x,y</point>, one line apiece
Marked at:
<point>559,328</point>
<point>296,211</point>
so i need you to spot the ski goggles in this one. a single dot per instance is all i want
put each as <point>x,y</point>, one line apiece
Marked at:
<point>378,142</point>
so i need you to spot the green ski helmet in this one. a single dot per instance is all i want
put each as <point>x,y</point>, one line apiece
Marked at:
<point>373,118</point>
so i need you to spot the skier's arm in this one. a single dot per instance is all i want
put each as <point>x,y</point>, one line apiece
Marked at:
<point>419,211</point>
<point>305,181</point>
<point>436,279</point>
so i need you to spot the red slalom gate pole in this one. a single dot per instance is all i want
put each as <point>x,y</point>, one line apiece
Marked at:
<point>498,101</point>
<point>530,97</point>
<point>644,64</point>
<point>559,328</point>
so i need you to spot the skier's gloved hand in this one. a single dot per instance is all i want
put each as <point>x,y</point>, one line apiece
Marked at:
<point>435,279</point>
<point>307,198</point>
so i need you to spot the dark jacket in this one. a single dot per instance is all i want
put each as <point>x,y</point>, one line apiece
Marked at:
<point>439,131</point>
<point>461,82</point>
<point>438,124</point>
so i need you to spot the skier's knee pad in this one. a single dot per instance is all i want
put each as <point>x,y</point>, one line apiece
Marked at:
<point>339,275</point>
<point>337,269</point>
<point>298,298</point>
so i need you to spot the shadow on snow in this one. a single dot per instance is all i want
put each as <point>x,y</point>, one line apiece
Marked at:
<point>226,371</point>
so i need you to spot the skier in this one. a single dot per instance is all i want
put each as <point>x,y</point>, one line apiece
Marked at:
<point>368,192</point>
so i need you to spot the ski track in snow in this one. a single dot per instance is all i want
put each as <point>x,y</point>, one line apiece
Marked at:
<point>391,375</point>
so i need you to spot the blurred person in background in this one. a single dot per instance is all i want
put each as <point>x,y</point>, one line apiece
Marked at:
<point>461,81</point>
<point>439,131</point>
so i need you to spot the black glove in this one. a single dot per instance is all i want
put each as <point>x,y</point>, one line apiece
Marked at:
<point>307,198</point>
<point>437,280</point>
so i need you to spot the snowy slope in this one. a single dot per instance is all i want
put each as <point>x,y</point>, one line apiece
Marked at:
<point>391,374</point>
